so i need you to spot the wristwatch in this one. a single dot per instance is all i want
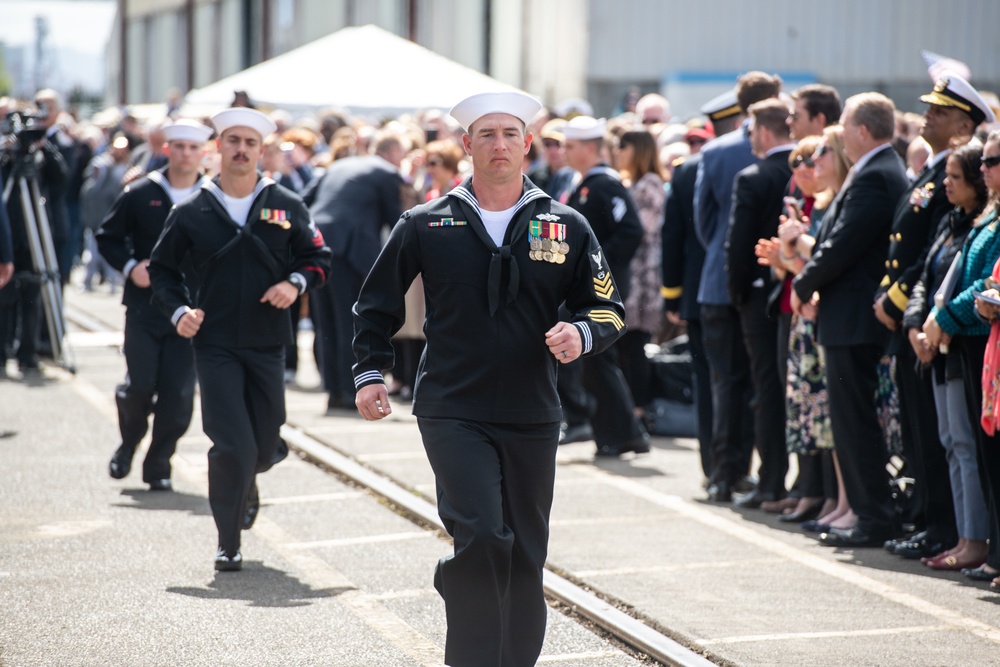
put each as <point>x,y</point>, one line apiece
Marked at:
<point>298,281</point>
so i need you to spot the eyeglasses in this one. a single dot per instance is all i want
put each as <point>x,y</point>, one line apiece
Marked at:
<point>803,160</point>
<point>991,161</point>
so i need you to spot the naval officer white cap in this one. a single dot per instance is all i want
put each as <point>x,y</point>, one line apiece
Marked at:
<point>520,105</point>
<point>188,130</point>
<point>584,127</point>
<point>244,117</point>
<point>951,90</point>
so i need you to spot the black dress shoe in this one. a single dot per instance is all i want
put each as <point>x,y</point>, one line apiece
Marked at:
<point>638,445</point>
<point>753,499</point>
<point>720,492</point>
<point>252,506</point>
<point>921,548</point>
<point>582,432</point>
<point>160,485</point>
<point>980,573</point>
<point>121,462</point>
<point>808,513</point>
<point>851,538</point>
<point>225,562</point>
<point>814,526</point>
<point>890,545</point>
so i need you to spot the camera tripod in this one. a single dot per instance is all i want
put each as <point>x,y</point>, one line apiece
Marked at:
<point>45,269</point>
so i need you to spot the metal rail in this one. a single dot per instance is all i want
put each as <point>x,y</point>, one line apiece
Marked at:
<point>627,629</point>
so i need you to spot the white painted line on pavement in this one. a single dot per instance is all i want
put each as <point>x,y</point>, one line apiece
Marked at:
<point>368,539</point>
<point>917,629</point>
<point>598,520</point>
<point>314,498</point>
<point>573,657</point>
<point>317,573</point>
<point>411,455</point>
<point>830,568</point>
<point>722,564</point>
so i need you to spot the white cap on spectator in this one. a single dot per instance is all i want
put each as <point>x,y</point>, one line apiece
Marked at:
<point>584,127</point>
<point>521,106</point>
<point>188,130</point>
<point>951,90</point>
<point>244,117</point>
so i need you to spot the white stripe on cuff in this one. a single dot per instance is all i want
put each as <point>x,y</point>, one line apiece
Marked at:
<point>368,376</point>
<point>588,339</point>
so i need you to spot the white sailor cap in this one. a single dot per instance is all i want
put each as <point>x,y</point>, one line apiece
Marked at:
<point>521,106</point>
<point>722,106</point>
<point>584,127</point>
<point>244,117</point>
<point>951,90</point>
<point>188,130</point>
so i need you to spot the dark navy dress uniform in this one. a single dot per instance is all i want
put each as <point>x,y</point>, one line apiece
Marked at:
<point>160,375</point>
<point>608,207</point>
<point>239,349</point>
<point>485,397</point>
<point>918,216</point>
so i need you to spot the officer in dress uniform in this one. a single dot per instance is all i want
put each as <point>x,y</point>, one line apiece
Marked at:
<point>498,256</point>
<point>601,198</point>
<point>160,364</point>
<point>254,249</point>
<point>955,111</point>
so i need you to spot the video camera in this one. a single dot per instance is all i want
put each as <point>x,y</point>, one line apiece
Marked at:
<point>20,130</point>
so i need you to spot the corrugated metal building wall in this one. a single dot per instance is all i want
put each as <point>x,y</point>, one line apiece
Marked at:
<point>854,45</point>
<point>587,48</point>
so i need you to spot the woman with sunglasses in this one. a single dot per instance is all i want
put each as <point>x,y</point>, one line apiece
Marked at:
<point>957,324</point>
<point>966,191</point>
<point>808,431</point>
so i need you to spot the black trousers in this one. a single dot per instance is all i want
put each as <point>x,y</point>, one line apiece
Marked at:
<point>926,460</point>
<point>851,383</point>
<point>702,381</point>
<point>635,366</point>
<point>972,349</point>
<point>21,320</point>
<point>613,419</point>
<point>160,381</point>
<point>760,335</point>
<point>243,408</point>
<point>330,306</point>
<point>731,387</point>
<point>494,489</point>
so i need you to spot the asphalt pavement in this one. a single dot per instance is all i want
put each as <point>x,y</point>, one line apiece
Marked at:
<point>95,571</point>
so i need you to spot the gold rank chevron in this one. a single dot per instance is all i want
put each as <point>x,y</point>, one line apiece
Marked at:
<point>608,317</point>
<point>604,288</point>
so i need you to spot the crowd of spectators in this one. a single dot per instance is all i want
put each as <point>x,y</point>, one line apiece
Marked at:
<point>825,258</point>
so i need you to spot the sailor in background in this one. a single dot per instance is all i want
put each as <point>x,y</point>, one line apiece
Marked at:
<point>159,363</point>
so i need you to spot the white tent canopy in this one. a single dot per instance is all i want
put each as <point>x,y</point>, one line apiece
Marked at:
<point>363,69</point>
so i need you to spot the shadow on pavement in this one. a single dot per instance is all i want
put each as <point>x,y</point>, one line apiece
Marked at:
<point>259,585</point>
<point>143,499</point>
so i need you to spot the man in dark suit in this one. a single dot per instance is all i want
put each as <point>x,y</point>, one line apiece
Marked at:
<point>683,261</point>
<point>757,203</point>
<point>955,110</point>
<point>355,200</point>
<point>722,159</point>
<point>845,266</point>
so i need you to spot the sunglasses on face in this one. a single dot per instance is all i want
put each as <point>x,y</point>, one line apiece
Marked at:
<point>803,160</point>
<point>991,161</point>
<point>820,151</point>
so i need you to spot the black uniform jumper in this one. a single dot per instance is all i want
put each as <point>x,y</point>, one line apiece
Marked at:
<point>159,363</point>
<point>485,396</point>
<point>239,349</point>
